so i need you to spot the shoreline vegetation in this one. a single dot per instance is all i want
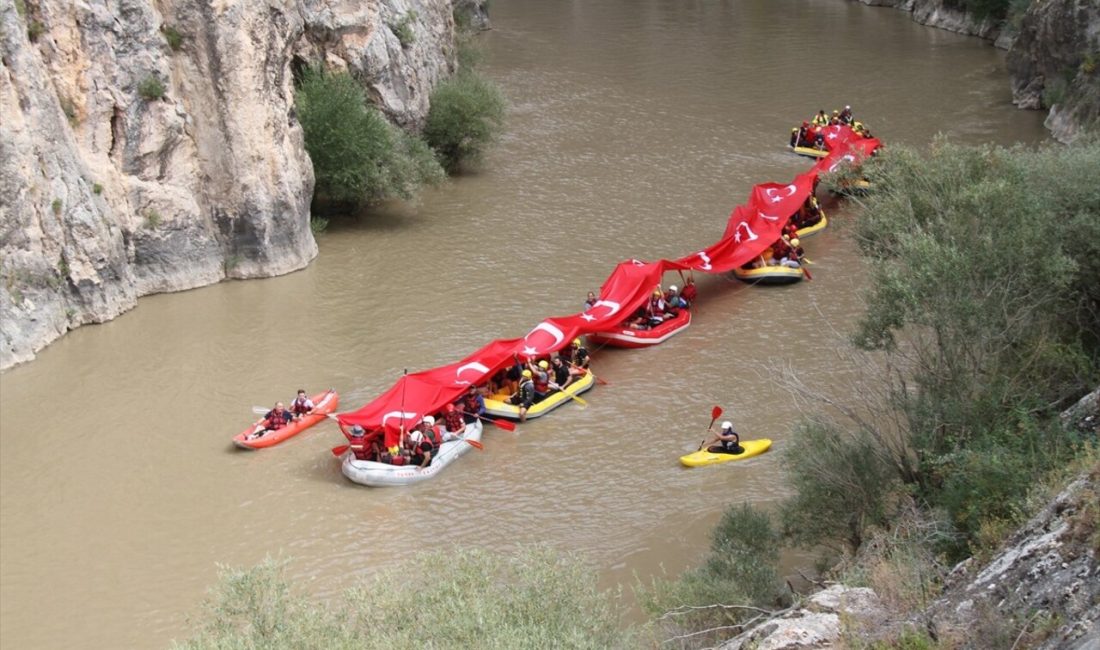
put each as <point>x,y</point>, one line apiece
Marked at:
<point>359,158</point>
<point>982,325</point>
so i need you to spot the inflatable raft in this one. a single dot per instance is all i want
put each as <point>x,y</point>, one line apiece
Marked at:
<point>323,404</point>
<point>810,152</point>
<point>498,406</point>
<point>769,275</point>
<point>809,231</point>
<point>374,474</point>
<point>707,457</point>
<point>631,338</point>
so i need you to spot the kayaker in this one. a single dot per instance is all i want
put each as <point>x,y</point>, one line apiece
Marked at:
<point>453,423</point>
<point>728,442</point>
<point>473,404</point>
<point>275,419</point>
<point>302,404</point>
<point>524,396</point>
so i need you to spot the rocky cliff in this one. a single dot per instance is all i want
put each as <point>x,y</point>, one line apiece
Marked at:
<point>1053,54</point>
<point>153,146</point>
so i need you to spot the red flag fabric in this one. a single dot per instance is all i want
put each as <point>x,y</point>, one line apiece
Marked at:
<point>751,228</point>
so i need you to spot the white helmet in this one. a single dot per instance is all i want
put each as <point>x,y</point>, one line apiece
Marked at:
<point>727,425</point>
<point>847,108</point>
<point>430,420</point>
<point>672,288</point>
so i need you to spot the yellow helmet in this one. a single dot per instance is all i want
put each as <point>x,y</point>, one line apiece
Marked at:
<point>576,343</point>
<point>543,364</point>
<point>527,374</point>
<point>795,242</point>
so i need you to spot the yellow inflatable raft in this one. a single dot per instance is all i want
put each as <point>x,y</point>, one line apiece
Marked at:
<point>707,457</point>
<point>810,152</point>
<point>769,275</point>
<point>498,406</point>
<point>803,233</point>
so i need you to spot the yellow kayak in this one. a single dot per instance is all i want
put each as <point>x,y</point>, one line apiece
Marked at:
<point>706,457</point>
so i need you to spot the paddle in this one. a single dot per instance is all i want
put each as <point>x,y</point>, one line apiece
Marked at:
<point>580,401</point>
<point>507,426</point>
<point>715,413</point>
<point>599,380</point>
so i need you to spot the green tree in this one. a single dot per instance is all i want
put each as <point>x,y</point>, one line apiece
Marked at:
<point>467,112</point>
<point>358,157</point>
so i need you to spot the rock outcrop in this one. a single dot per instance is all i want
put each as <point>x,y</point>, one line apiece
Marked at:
<point>153,146</point>
<point>1055,64</point>
<point>941,14</point>
<point>822,621</point>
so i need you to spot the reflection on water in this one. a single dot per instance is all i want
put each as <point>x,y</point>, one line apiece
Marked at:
<point>634,129</point>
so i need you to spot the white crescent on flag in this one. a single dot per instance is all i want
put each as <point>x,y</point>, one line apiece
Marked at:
<point>404,415</point>
<point>737,233</point>
<point>611,305</point>
<point>846,158</point>
<point>558,335</point>
<point>473,365</point>
<point>773,193</point>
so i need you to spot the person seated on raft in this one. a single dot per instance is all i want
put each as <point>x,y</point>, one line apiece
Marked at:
<point>726,441</point>
<point>656,310</point>
<point>524,396</point>
<point>590,301</point>
<point>360,447</point>
<point>561,375</point>
<point>472,404</point>
<point>675,300</point>
<point>834,120</point>
<point>540,374</point>
<point>639,320</point>
<point>801,135</point>
<point>454,425</point>
<point>808,215</point>
<point>302,405</point>
<point>820,119</point>
<point>395,455</point>
<point>689,292</point>
<point>786,253</point>
<point>576,357</point>
<point>846,115</point>
<point>861,130</point>
<point>275,419</point>
<point>425,441</point>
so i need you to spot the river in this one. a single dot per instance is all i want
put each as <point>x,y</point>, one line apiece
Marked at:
<point>634,127</point>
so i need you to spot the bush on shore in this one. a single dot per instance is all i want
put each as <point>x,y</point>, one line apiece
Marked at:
<point>358,157</point>
<point>538,599</point>
<point>467,113</point>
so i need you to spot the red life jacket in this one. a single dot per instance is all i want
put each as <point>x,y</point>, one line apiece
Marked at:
<point>471,404</point>
<point>276,420</point>
<point>689,294</point>
<point>542,382</point>
<point>299,407</point>
<point>454,420</point>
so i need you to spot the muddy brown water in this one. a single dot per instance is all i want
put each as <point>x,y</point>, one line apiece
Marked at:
<point>634,128</point>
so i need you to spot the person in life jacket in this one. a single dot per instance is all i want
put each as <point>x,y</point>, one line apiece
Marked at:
<point>689,292</point>
<point>577,358</point>
<point>655,309</point>
<point>524,396</point>
<point>792,256</point>
<point>425,439</point>
<point>275,419</point>
<point>802,138</point>
<point>540,374</point>
<point>590,301</point>
<point>674,299</point>
<point>820,119</point>
<point>454,425</point>
<point>846,115</point>
<point>473,404</point>
<point>726,441</point>
<point>302,404</point>
<point>358,440</point>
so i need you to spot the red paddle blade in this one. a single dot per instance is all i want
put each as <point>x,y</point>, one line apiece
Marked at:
<point>715,412</point>
<point>475,443</point>
<point>507,426</point>
<point>339,451</point>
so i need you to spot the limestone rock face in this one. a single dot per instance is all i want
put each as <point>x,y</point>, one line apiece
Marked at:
<point>1055,64</point>
<point>818,623</point>
<point>149,147</point>
<point>937,13</point>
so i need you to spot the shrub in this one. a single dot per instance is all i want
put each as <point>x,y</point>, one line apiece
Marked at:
<point>55,205</point>
<point>97,188</point>
<point>172,36</point>
<point>357,156</point>
<point>151,88</point>
<point>317,225</point>
<point>34,30</point>
<point>842,485</point>
<point>538,599</point>
<point>467,112</point>
<point>737,579</point>
<point>403,30</point>
<point>152,219</point>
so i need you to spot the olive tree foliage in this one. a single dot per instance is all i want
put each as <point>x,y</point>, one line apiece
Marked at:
<point>983,287</point>
<point>466,599</point>
<point>738,582</point>
<point>358,157</point>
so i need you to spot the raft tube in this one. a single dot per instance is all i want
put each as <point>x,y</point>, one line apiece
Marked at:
<point>707,457</point>
<point>631,338</point>
<point>769,275</point>
<point>323,404</point>
<point>374,474</point>
<point>498,406</point>
<point>810,152</point>
<point>809,231</point>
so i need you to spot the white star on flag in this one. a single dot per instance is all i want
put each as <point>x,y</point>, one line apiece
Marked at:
<point>588,317</point>
<point>528,350</point>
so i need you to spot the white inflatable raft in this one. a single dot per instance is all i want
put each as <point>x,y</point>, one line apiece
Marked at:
<point>369,472</point>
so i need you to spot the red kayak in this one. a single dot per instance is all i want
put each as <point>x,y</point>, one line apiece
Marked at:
<point>631,338</point>
<point>323,404</point>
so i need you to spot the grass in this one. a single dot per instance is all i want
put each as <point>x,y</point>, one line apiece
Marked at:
<point>403,30</point>
<point>172,36</point>
<point>152,219</point>
<point>97,188</point>
<point>56,207</point>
